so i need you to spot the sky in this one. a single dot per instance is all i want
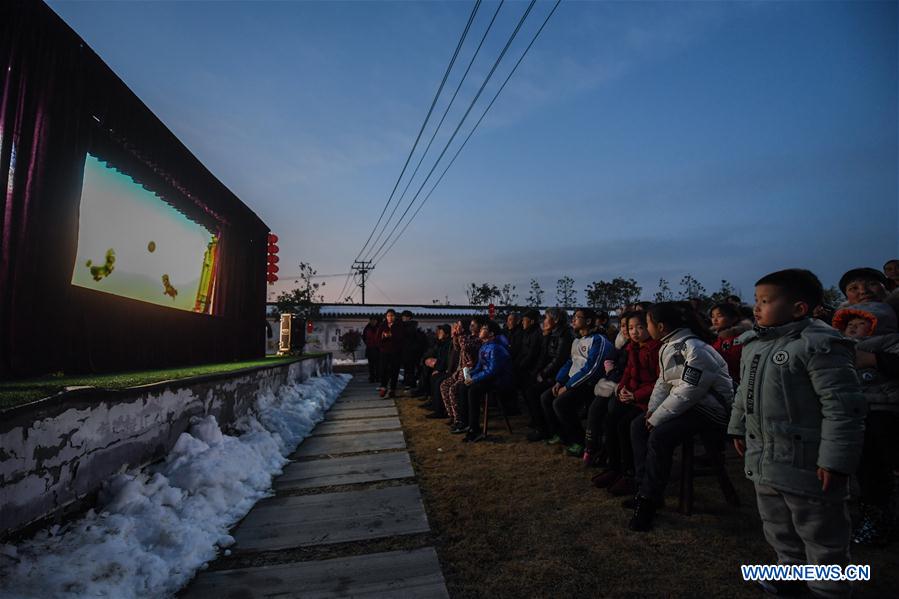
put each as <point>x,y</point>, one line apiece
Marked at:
<point>637,139</point>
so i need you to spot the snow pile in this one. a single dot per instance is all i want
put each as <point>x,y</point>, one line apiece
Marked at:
<point>159,525</point>
<point>347,362</point>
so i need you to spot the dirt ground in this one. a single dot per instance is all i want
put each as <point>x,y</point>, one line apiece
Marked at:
<point>519,519</point>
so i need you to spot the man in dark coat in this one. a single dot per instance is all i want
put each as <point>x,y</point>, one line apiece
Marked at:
<point>555,351</point>
<point>415,343</point>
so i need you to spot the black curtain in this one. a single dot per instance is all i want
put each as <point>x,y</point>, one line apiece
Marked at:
<point>59,100</point>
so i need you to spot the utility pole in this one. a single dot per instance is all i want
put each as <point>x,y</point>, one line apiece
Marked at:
<point>362,268</point>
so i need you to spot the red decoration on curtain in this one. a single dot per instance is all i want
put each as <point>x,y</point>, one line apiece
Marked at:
<point>309,327</point>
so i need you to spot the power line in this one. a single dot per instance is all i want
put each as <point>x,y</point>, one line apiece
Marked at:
<point>459,126</point>
<point>439,124</point>
<point>378,287</point>
<point>376,260</point>
<point>449,67</point>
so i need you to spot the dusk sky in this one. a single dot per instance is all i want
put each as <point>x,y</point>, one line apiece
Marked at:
<point>637,139</point>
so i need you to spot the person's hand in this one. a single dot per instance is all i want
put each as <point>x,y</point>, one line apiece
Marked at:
<point>539,378</point>
<point>625,395</point>
<point>829,479</point>
<point>740,446</point>
<point>609,365</point>
<point>430,362</point>
<point>562,389</point>
<point>468,382</point>
<point>865,359</point>
<point>556,388</point>
<point>649,425</point>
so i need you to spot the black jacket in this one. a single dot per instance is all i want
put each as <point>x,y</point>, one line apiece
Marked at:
<point>515,338</point>
<point>415,340</point>
<point>529,353</point>
<point>555,351</point>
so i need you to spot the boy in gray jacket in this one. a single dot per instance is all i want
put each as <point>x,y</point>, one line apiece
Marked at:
<point>798,420</point>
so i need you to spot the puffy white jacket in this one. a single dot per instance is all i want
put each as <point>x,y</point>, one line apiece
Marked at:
<point>691,375</point>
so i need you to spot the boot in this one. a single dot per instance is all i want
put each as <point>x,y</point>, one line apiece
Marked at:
<point>644,513</point>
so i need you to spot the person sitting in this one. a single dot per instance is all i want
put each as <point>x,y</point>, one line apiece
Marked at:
<point>867,285</point>
<point>728,324</point>
<point>433,370</point>
<point>468,343</point>
<point>492,374</point>
<point>692,395</point>
<point>555,350</point>
<point>631,401</point>
<point>525,363</point>
<point>574,384</point>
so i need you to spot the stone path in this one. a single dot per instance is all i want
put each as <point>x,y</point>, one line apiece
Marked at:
<point>349,483</point>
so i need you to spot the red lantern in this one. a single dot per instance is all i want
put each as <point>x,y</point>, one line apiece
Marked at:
<point>309,327</point>
<point>491,310</point>
<point>273,259</point>
<point>272,268</point>
<point>272,238</point>
<point>272,277</point>
<point>273,249</point>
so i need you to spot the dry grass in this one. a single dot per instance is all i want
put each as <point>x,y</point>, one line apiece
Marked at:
<point>518,519</point>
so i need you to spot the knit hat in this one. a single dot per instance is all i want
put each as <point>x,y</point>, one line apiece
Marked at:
<point>880,315</point>
<point>867,274</point>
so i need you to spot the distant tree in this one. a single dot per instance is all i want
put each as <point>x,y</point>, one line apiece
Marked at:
<point>535,297</point>
<point>507,295</point>
<point>304,300</point>
<point>350,342</point>
<point>664,294</point>
<point>833,297</point>
<point>566,296</point>
<point>481,295</point>
<point>614,294</point>
<point>348,300</point>
<point>436,302</point>
<point>691,288</point>
<point>723,293</point>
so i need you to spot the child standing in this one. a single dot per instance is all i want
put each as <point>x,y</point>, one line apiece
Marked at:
<point>728,324</point>
<point>798,420</point>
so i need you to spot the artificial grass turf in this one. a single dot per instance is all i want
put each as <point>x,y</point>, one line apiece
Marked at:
<point>13,393</point>
<point>517,519</point>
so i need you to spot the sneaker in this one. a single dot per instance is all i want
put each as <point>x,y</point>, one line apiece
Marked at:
<point>644,514</point>
<point>382,391</point>
<point>536,436</point>
<point>575,450</point>
<point>587,459</point>
<point>459,428</point>
<point>605,479</point>
<point>625,485</point>
<point>782,588</point>
<point>554,440</point>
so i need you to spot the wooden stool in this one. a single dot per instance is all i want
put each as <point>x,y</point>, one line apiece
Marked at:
<point>688,472</point>
<point>502,410</point>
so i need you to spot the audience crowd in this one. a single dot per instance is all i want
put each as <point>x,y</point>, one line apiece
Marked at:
<point>807,394</point>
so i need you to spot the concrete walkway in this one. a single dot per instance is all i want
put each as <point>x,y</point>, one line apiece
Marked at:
<point>349,487</point>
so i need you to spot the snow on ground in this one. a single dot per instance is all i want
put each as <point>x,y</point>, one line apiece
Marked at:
<point>343,362</point>
<point>157,526</point>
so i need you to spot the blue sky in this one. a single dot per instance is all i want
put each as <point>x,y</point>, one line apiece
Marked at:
<point>637,139</point>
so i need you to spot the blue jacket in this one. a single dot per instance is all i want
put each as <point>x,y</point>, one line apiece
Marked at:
<point>585,366</point>
<point>494,363</point>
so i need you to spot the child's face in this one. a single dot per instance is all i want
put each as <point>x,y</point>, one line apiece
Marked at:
<point>857,328</point>
<point>485,334</point>
<point>390,317</point>
<point>720,321</point>
<point>773,308</point>
<point>636,330</point>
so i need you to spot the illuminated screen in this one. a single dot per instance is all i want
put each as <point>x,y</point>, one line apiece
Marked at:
<point>134,244</point>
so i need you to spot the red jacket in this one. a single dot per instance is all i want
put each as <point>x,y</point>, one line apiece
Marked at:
<point>390,338</point>
<point>727,346</point>
<point>642,370</point>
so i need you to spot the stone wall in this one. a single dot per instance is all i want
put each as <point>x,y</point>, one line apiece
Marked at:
<point>56,452</point>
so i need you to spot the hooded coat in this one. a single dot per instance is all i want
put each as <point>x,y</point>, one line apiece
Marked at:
<point>799,407</point>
